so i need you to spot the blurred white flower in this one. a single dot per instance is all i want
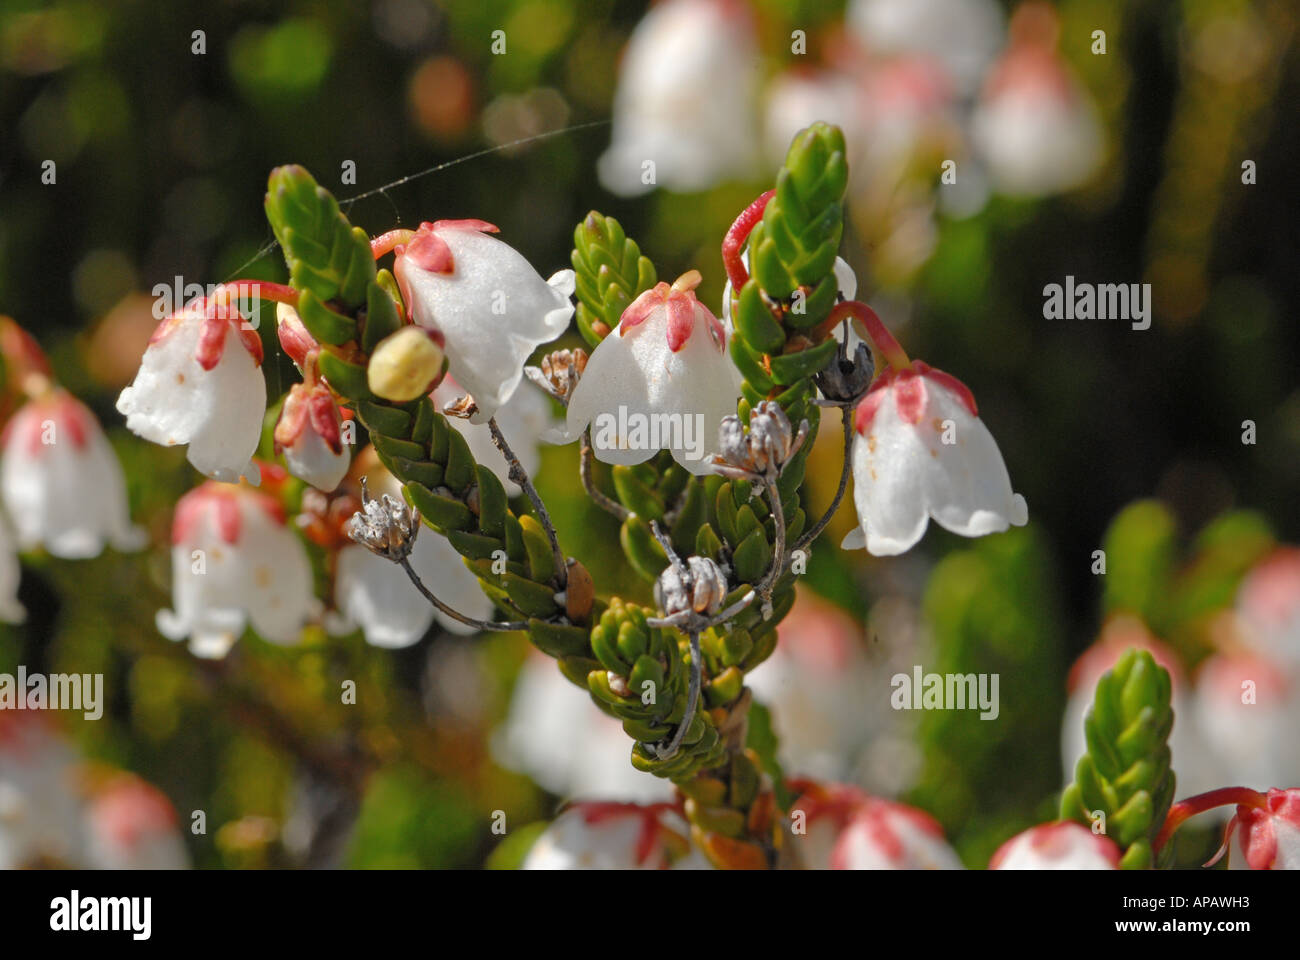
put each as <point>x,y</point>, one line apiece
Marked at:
<point>40,812</point>
<point>962,35</point>
<point>892,836</point>
<point>813,684</point>
<point>490,308</point>
<point>799,97</point>
<point>1268,606</point>
<point>1065,845</point>
<point>839,827</point>
<point>200,383</point>
<point>921,452</point>
<point>1035,125</point>
<point>661,380</point>
<point>133,826</point>
<point>1247,710</point>
<point>685,100</point>
<point>309,434</point>
<point>61,481</point>
<point>234,561</point>
<point>614,836</point>
<point>376,595</point>
<point>557,736</point>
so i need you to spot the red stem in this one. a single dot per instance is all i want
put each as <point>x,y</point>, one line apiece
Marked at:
<point>871,328</point>
<point>1183,810</point>
<point>385,242</point>
<point>735,239</point>
<point>263,290</point>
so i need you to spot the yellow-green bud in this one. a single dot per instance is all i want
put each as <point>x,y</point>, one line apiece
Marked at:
<point>404,365</point>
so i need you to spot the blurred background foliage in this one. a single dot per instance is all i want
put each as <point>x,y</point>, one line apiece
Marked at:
<point>162,155</point>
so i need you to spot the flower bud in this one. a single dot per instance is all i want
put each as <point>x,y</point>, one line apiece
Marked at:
<point>404,365</point>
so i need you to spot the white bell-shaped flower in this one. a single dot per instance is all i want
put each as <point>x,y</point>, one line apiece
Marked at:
<point>685,104</point>
<point>614,836</point>
<point>921,452</point>
<point>662,380</point>
<point>309,434</point>
<point>1035,125</point>
<point>133,826</point>
<point>490,308</point>
<point>11,610</point>
<point>61,482</point>
<point>201,383</point>
<point>1064,845</point>
<point>234,561</point>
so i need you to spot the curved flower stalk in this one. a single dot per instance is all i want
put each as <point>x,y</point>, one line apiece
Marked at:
<point>661,380</point>
<point>484,302</point>
<point>61,482</point>
<point>373,594</point>
<point>1064,845</point>
<point>1263,834</point>
<point>615,836</point>
<point>235,562</point>
<point>200,383</point>
<point>525,416</point>
<point>685,99</point>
